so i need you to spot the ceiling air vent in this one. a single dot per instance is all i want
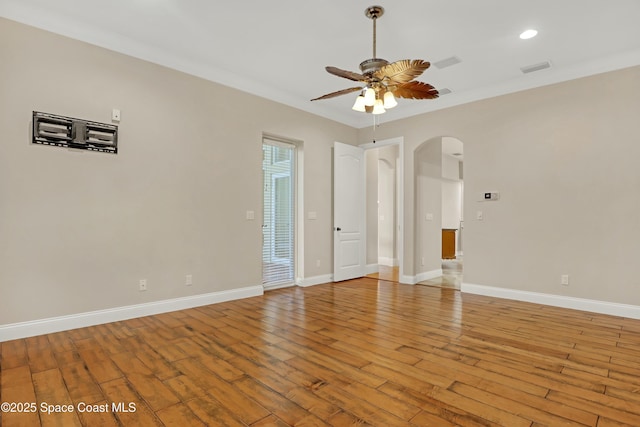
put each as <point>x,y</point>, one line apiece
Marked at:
<point>444,91</point>
<point>447,62</point>
<point>536,67</point>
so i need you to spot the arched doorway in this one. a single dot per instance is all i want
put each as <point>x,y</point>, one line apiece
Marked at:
<point>439,225</point>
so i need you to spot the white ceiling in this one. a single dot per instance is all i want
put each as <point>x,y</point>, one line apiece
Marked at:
<point>453,147</point>
<point>278,49</point>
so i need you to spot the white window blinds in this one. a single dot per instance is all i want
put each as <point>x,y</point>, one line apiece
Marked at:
<point>278,244</point>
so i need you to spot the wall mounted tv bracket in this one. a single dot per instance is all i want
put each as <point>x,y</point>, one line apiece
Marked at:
<point>60,131</point>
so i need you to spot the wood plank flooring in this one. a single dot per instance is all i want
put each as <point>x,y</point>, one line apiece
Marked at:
<point>356,353</point>
<point>391,274</point>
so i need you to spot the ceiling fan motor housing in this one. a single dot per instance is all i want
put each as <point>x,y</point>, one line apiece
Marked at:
<point>372,65</point>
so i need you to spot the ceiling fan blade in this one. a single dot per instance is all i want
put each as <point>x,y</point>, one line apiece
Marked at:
<point>403,71</point>
<point>338,93</point>
<point>346,74</point>
<point>415,90</point>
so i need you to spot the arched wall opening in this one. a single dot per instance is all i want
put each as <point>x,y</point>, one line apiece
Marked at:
<point>438,211</point>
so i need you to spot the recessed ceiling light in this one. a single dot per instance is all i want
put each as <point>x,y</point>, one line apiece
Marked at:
<point>528,34</point>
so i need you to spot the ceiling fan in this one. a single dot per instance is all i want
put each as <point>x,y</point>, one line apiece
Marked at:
<point>383,81</point>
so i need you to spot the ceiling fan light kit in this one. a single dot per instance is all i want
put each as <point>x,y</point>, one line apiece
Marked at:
<point>369,97</point>
<point>389,100</point>
<point>383,81</point>
<point>359,104</point>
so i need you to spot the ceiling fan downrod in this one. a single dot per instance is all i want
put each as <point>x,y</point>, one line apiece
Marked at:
<point>373,13</point>
<point>372,65</point>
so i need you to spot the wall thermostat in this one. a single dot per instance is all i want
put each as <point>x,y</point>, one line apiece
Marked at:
<point>491,195</point>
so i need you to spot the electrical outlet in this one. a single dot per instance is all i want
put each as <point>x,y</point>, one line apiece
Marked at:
<point>422,261</point>
<point>318,263</point>
<point>564,280</point>
<point>188,280</point>
<point>143,285</point>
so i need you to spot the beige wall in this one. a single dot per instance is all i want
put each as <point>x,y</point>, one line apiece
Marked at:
<point>381,207</point>
<point>565,160</point>
<point>79,229</point>
<point>371,161</point>
<point>428,208</point>
<point>451,204</point>
<point>387,208</point>
<point>450,167</point>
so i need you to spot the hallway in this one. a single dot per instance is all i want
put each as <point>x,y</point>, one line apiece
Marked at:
<point>451,275</point>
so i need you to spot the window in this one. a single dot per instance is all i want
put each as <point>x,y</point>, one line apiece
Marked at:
<point>278,229</point>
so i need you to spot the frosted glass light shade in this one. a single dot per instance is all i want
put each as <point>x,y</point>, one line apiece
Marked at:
<point>389,100</point>
<point>378,107</point>
<point>369,97</point>
<point>359,104</point>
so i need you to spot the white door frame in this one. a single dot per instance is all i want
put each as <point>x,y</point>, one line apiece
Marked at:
<point>399,141</point>
<point>298,183</point>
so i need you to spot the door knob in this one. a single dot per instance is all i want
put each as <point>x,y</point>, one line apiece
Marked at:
<point>338,229</point>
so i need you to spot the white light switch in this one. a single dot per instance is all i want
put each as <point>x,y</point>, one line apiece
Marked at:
<point>313,215</point>
<point>115,115</point>
<point>428,217</point>
<point>251,215</point>
<point>479,216</point>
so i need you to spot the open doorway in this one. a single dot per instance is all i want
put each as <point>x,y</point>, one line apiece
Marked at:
<point>439,201</point>
<point>383,207</point>
<point>279,220</point>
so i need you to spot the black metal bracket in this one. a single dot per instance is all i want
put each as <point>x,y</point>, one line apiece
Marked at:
<point>61,131</point>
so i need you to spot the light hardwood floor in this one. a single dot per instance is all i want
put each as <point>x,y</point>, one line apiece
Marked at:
<point>356,353</point>
<point>390,274</point>
<point>451,275</point>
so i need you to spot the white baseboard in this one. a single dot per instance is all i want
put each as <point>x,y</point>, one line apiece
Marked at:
<point>280,285</point>
<point>389,262</point>
<point>594,306</point>
<point>407,280</point>
<point>63,323</point>
<point>316,280</point>
<point>427,275</point>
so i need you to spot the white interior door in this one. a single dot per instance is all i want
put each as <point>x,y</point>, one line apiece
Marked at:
<point>349,235</point>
